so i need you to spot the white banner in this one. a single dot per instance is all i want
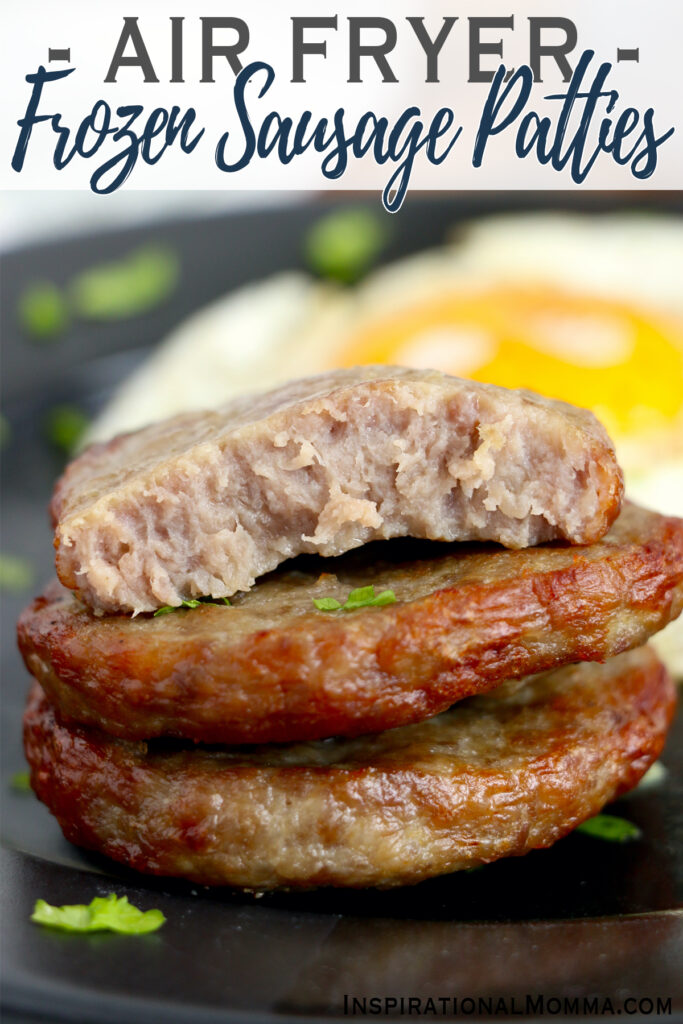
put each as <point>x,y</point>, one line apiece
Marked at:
<point>309,94</point>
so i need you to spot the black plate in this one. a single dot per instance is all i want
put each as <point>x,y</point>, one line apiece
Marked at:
<point>585,918</point>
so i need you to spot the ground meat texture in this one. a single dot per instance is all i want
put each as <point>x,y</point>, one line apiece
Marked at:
<point>272,668</point>
<point>487,779</point>
<point>204,503</point>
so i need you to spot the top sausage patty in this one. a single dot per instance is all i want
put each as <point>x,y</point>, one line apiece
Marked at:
<point>272,668</point>
<point>204,503</point>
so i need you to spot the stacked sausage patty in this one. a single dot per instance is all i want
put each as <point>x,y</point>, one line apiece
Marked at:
<point>369,628</point>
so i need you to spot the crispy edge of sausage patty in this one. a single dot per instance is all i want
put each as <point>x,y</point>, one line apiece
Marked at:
<point>273,669</point>
<point>484,780</point>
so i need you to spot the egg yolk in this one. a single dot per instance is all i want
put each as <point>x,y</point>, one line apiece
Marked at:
<point>624,363</point>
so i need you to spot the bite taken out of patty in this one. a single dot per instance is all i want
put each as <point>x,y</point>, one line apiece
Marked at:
<point>487,779</point>
<point>204,503</point>
<point>273,668</point>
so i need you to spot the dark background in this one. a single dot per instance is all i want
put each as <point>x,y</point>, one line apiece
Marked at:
<point>585,917</point>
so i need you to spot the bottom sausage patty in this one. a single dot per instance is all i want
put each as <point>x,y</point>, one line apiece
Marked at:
<point>490,778</point>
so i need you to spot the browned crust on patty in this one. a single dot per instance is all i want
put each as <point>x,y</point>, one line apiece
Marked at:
<point>485,780</point>
<point>207,502</point>
<point>272,668</point>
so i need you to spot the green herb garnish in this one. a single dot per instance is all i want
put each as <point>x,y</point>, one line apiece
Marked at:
<point>65,426</point>
<point>192,603</point>
<point>105,913</point>
<point>126,287</point>
<point>5,431</point>
<point>344,245</point>
<point>610,828</point>
<point>326,604</point>
<point>15,573</point>
<point>110,291</point>
<point>361,597</point>
<point>43,310</point>
<point>21,782</point>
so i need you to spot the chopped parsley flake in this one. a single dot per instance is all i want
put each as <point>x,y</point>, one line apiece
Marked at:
<point>43,311</point>
<point>65,426</point>
<point>126,287</point>
<point>5,431</point>
<point>326,604</point>
<point>115,290</point>
<point>192,603</point>
<point>344,244</point>
<point>21,782</point>
<point>15,573</point>
<point>361,597</point>
<point>610,828</point>
<point>105,913</point>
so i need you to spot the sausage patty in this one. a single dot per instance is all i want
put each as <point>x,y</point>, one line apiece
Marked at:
<point>204,503</point>
<point>487,779</point>
<point>272,668</point>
